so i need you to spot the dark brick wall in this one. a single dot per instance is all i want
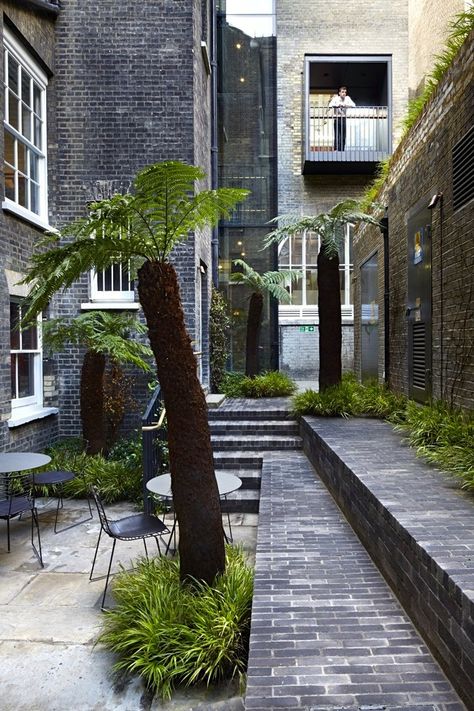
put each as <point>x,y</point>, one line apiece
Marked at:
<point>17,238</point>
<point>422,165</point>
<point>129,79</point>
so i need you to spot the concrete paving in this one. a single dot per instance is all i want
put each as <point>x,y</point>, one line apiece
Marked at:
<point>50,619</point>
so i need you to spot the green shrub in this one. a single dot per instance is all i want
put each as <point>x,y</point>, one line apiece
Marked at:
<point>350,398</point>
<point>270,384</point>
<point>444,436</point>
<point>172,634</point>
<point>219,328</point>
<point>116,480</point>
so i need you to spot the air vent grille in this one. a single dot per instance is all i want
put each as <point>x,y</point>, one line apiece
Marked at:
<point>463,170</point>
<point>419,356</point>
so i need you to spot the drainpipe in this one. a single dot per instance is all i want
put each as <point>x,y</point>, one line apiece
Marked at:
<point>386,296</point>
<point>214,176</point>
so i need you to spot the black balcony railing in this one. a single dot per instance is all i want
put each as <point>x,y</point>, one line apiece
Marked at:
<point>361,136</point>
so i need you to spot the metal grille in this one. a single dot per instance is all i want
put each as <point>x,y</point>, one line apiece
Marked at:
<point>419,356</point>
<point>463,170</point>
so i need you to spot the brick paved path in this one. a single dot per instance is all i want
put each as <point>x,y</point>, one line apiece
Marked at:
<point>327,632</point>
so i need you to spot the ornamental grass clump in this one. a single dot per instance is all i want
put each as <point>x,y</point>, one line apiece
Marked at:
<point>270,384</point>
<point>173,634</point>
<point>350,398</point>
<point>444,436</point>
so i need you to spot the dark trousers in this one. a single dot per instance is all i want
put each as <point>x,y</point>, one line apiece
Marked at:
<point>339,133</point>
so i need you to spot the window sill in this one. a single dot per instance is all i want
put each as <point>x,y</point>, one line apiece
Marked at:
<point>25,215</point>
<point>18,419</point>
<point>110,306</point>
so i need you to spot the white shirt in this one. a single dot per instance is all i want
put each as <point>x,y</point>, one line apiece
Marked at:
<point>340,105</point>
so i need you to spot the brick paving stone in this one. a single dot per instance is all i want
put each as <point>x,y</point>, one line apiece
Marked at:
<point>327,631</point>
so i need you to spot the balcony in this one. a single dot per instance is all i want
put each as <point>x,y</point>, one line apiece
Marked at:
<point>367,139</point>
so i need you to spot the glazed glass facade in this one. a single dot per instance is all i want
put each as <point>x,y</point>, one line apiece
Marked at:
<point>247,158</point>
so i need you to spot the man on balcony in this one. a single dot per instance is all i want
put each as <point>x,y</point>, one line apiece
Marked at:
<point>339,103</point>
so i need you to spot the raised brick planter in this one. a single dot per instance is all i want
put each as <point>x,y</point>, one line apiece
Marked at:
<point>415,523</point>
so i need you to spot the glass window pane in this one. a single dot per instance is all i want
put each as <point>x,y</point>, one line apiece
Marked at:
<point>36,99</point>
<point>108,279</point>
<point>29,338</point>
<point>342,281</point>
<point>312,249</point>
<point>297,292</point>
<point>22,157</point>
<point>37,132</point>
<point>296,250</point>
<point>9,182</point>
<point>13,74</point>
<point>311,287</point>
<point>253,25</point>
<point>13,375</point>
<point>100,281</point>
<point>116,277</point>
<point>14,330</point>
<point>9,148</point>
<point>22,191</point>
<point>25,88</point>
<point>284,254</point>
<point>34,198</point>
<point>127,285</point>
<point>33,166</point>
<point>26,122</point>
<point>13,111</point>
<point>26,374</point>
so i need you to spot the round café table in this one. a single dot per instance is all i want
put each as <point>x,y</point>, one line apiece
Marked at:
<point>21,461</point>
<point>226,484</point>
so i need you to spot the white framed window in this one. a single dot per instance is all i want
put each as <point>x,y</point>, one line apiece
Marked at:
<point>113,284</point>
<point>300,252</point>
<point>26,361</point>
<point>25,170</point>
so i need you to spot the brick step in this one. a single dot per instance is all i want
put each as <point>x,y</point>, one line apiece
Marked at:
<point>255,442</point>
<point>241,501</point>
<point>237,460</point>
<point>251,478</point>
<point>221,413</point>
<point>244,427</point>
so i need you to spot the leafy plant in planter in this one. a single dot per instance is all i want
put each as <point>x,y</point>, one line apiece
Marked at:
<point>171,634</point>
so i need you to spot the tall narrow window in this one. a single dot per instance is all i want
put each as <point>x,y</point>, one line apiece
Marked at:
<point>24,132</point>
<point>26,360</point>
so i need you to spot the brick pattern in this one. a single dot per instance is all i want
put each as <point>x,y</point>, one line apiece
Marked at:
<point>415,524</point>
<point>327,632</point>
<point>299,352</point>
<point>421,167</point>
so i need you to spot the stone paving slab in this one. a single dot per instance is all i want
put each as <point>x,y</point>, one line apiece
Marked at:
<point>327,632</point>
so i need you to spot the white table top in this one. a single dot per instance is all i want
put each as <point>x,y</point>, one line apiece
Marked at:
<point>20,461</point>
<point>161,485</point>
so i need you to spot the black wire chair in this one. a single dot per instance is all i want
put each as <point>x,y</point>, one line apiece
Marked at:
<point>57,479</point>
<point>129,528</point>
<point>16,498</point>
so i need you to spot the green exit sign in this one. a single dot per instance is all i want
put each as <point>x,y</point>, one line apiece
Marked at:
<point>307,329</point>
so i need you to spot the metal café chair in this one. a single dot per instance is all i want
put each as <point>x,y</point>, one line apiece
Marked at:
<point>16,498</point>
<point>129,528</point>
<point>58,479</point>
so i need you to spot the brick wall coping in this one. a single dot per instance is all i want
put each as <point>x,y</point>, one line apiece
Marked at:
<point>417,525</point>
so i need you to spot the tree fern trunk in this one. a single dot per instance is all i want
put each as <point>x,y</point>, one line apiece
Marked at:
<point>254,321</point>
<point>330,324</point>
<point>193,482</point>
<point>92,402</point>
